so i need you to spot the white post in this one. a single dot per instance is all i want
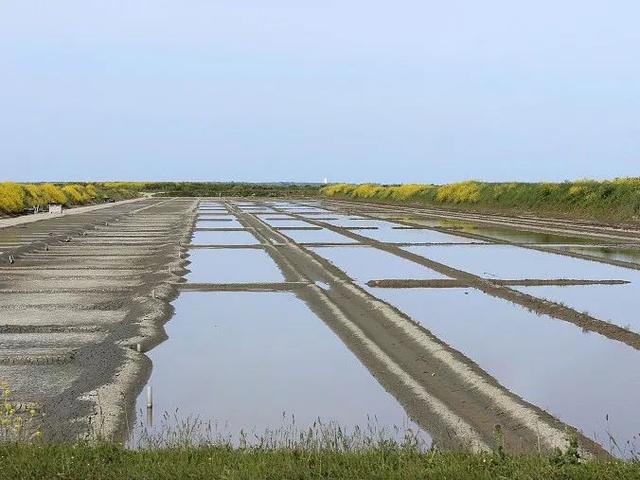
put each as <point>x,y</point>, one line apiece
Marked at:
<point>149,397</point>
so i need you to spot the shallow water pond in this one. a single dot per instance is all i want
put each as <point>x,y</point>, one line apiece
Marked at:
<point>317,236</point>
<point>512,262</point>
<point>213,223</point>
<point>617,304</point>
<point>631,255</point>
<point>256,361</point>
<point>366,263</point>
<point>395,235</point>
<point>578,377</point>
<point>232,266</point>
<point>223,238</point>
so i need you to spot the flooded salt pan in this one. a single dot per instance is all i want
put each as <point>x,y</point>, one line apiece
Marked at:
<point>346,222</point>
<point>286,222</point>
<point>631,255</point>
<point>223,238</point>
<point>511,262</point>
<point>232,266</point>
<point>244,359</point>
<point>504,233</point>
<point>394,235</point>
<point>367,263</point>
<point>617,304</point>
<point>209,223</point>
<point>317,236</point>
<point>584,379</point>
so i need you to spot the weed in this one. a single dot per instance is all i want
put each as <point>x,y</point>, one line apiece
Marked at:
<point>571,456</point>
<point>17,423</point>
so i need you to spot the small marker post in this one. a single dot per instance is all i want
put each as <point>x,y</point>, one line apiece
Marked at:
<point>149,407</point>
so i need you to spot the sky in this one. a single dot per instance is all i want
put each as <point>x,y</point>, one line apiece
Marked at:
<point>351,90</point>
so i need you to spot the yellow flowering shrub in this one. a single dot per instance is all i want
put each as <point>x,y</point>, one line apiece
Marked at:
<point>11,197</point>
<point>464,192</point>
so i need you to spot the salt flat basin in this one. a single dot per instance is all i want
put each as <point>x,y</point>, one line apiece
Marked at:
<point>217,217</point>
<point>223,238</point>
<point>346,221</point>
<point>366,263</point>
<point>509,234</point>
<point>218,222</point>
<point>286,222</point>
<point>223,265</point>
<point>584,379</point>
<point>625,254</point>
<point>317,236</point>
<point>513,262</point>
<point>395,235</point>
<point>617,304</point>
<point>246,360</point>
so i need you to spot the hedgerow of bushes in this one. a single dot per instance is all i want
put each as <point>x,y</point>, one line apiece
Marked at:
<point>16,198</point>
<point>233,189</point>
<point>619,198</point>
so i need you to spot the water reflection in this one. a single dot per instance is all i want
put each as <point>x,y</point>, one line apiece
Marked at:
<point>367,263</point>
<point>512,262</point>
<point>584,379</point>
<point>243,359</point>
<point>232,266</point>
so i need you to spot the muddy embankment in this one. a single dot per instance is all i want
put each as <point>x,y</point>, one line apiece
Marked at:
<point>81,298</point>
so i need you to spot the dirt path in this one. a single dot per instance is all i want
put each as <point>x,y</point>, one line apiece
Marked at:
<point>24,219</point>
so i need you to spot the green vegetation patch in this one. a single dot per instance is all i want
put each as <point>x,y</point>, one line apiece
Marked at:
<point>16,198</point>
<point>233,189</point>
<point>617,199</point>
<point>114,462</point>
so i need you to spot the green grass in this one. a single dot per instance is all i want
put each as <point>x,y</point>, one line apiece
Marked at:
<point>190,448</point>
<point>611,200</point>
<point>233,189</point>
<point>109,461</point>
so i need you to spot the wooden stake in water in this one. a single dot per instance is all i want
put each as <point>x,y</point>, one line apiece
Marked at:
<point>149,417</point>
<point>149,407</point>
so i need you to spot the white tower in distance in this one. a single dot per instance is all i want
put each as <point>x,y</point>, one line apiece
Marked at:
<point>326,180</point>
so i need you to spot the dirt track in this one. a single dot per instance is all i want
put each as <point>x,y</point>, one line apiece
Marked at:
<point>83,292</point>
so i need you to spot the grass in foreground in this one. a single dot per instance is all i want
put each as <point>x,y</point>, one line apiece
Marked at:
<point>108,461</point>
<point>190,448</point>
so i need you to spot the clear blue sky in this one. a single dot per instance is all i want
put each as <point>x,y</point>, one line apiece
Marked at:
<point>352,90</point>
